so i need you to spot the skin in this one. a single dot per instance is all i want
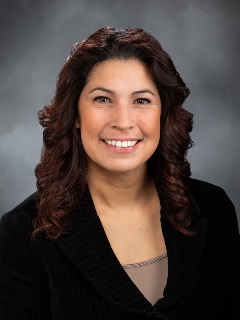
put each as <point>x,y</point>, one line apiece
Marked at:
<point>120,101</point>
<point>121,114</point>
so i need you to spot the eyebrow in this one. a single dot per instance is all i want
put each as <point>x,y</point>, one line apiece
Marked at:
<point>144,91</point>
<point>133,93</point>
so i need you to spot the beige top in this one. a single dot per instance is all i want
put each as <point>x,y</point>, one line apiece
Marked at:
<point>149,276</point>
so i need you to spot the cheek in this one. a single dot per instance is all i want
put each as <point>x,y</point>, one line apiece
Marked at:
<point>86,125</point>
<point>88,131</point>
<point>91,124</point>
<point>156,128</point>
<point>151,124</point>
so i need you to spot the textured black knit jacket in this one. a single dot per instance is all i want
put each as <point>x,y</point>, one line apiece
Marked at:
<point>79,277</point>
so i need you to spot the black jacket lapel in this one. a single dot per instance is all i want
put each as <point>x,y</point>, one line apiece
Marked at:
<point>88,248</point>
<point>184,254</point>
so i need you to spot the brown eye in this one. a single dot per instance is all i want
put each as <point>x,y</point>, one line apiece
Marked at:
<point>142,101</point>
<point>101,99</point>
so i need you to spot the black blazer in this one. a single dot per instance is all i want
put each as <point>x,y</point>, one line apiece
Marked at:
<point>79,277</point>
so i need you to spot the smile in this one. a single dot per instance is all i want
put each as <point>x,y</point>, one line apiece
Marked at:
<point>121,144</point>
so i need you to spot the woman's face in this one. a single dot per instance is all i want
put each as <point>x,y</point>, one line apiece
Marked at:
<point>119,111</point>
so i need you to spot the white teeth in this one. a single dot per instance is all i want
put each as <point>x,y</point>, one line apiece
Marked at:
<point>118,143</point>
<point>121,144</point>
<point>124,144</point>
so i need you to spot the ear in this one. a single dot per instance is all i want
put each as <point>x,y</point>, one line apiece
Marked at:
<point>77,123</point>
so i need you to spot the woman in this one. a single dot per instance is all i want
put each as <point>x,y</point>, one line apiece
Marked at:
<point>117,228</point>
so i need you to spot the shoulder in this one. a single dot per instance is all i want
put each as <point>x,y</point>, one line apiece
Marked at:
<point>212,201</point>
<point>20,219</point>
<point>199,186</point>
<point>17,250</point>
<point>206,192</point>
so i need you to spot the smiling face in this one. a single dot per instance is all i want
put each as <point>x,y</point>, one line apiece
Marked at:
<point>119,111</point>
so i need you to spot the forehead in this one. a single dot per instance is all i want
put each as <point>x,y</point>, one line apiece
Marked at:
<point>128,72</point>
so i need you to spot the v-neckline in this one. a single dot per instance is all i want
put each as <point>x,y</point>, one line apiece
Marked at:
<point>87,247</point>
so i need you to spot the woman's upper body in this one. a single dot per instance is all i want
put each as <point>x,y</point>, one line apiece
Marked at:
<point>114,188</point>
<point>78,275</point>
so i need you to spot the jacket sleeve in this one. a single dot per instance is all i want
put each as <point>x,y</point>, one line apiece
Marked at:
<point>231,301</point>
<point>24,293</point>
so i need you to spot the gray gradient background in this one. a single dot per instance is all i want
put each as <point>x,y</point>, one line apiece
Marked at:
<point>202,37</point>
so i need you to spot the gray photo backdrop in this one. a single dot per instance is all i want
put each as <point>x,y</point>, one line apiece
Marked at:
<point>202,37</point>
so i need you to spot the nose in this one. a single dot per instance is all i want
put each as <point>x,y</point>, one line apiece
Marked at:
<point>122,117</point>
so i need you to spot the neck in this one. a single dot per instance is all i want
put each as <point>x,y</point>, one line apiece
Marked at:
<point>119,190</point>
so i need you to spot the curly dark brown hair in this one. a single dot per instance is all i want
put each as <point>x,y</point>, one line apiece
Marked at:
<point>61,173</point>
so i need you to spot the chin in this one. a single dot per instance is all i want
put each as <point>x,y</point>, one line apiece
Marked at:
<point>117,169</point>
